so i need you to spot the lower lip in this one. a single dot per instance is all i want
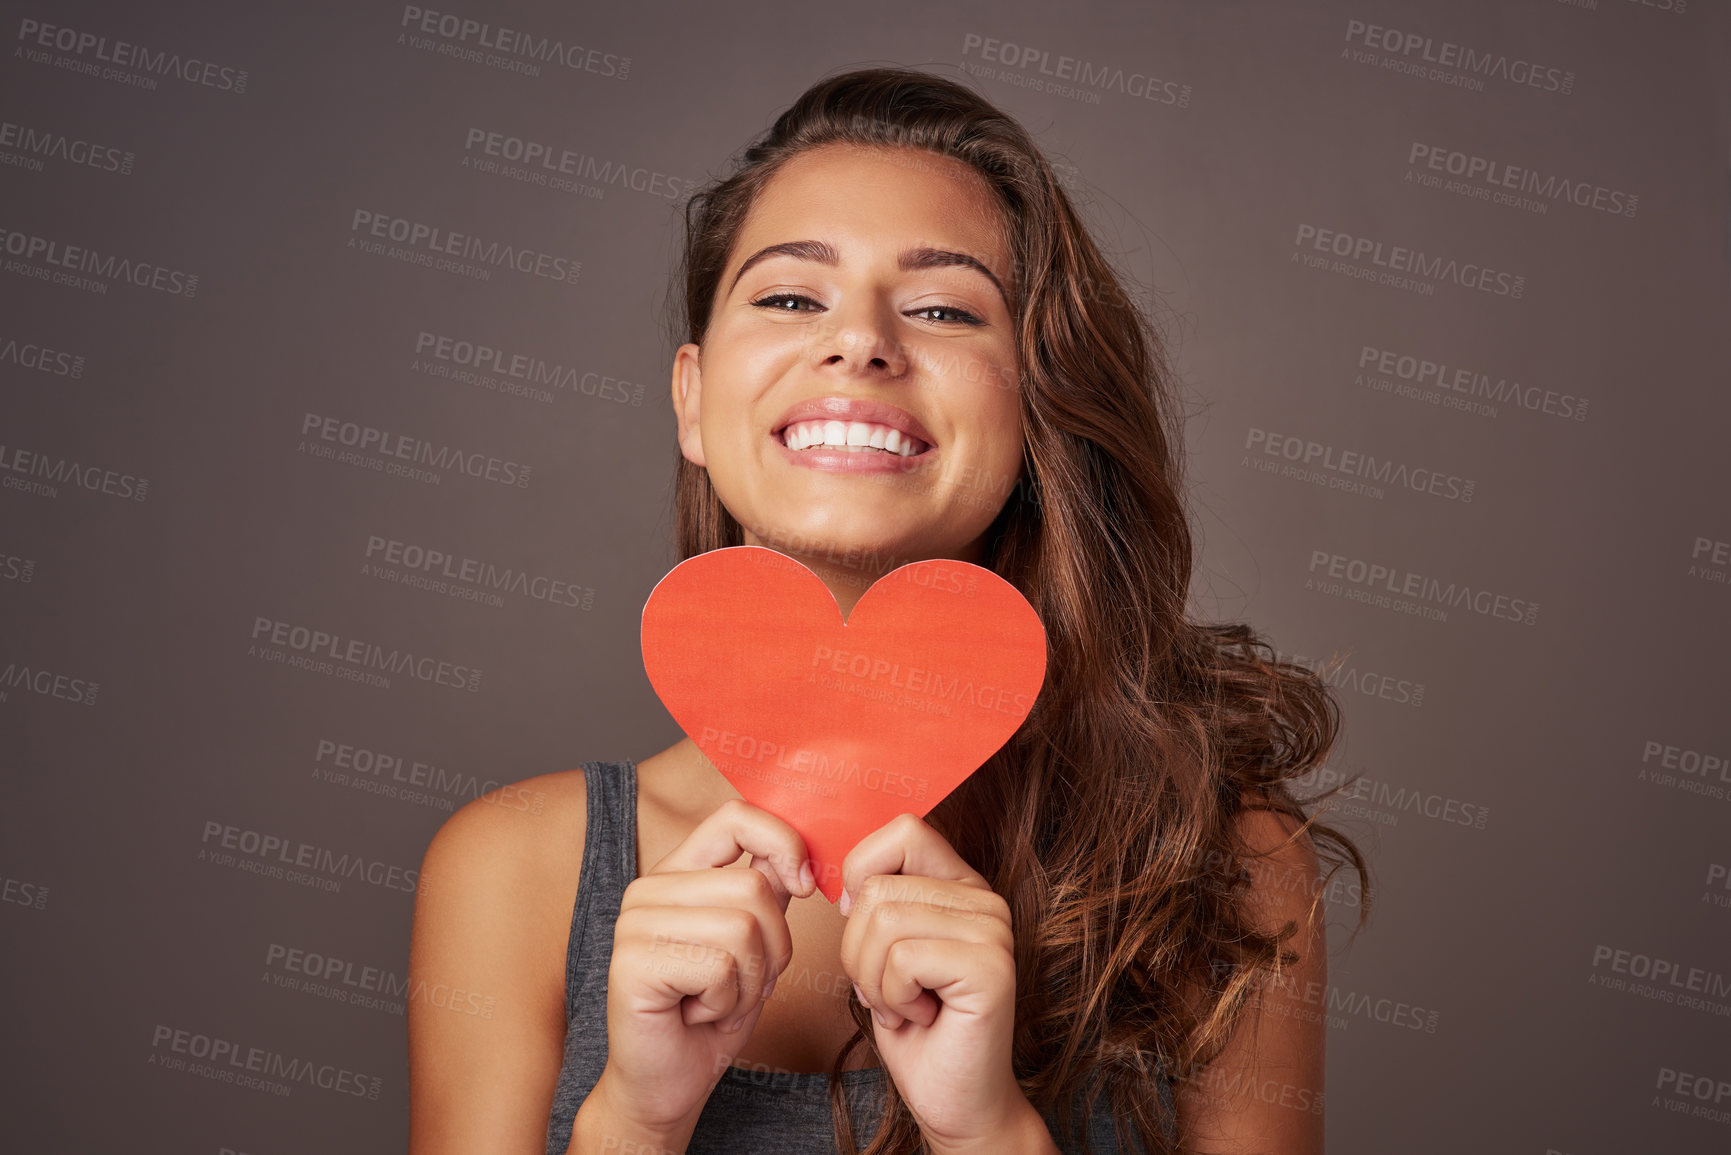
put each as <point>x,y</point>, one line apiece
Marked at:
<point>845,461</point>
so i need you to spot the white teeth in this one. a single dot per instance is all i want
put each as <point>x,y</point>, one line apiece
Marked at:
<point>854,436</point>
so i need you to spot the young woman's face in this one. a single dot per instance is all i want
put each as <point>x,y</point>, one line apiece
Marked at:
<point>870,311</point>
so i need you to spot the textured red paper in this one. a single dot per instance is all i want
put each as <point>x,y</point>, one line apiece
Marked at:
<point>838,727</point>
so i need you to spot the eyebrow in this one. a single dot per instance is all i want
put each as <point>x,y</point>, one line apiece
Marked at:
<point>920,257</point>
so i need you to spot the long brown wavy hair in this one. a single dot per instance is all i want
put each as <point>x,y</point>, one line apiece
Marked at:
<point>1107,820</point>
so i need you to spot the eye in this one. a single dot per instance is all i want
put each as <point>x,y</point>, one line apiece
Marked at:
<point>773,302</point>
<point>959,315</point>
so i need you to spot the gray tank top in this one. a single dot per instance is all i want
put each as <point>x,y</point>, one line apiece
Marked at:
<point>748,1112</point>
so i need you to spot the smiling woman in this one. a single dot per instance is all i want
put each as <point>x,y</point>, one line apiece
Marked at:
<point>900,343</point>
<point>868,307</point>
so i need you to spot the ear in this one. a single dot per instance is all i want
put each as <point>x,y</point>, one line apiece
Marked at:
<point>687,391</point>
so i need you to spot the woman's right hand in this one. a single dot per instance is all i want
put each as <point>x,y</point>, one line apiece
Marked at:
<point>695,950</point>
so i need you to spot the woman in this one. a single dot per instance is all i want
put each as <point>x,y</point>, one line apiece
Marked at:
<point>901,343</point>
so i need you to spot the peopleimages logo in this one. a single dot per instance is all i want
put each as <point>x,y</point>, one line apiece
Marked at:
<point>321,650</point>
<point>1345,676</point>
<point>28,147</point>
<point>1703,772</point>
<point>81,267</point>
<point>1462,387</point>
<point>455,575</point>
<point>369,447</point>
<point>477,363</point>
<point>540,163</point>
<point>368,987</point>
<point>424,244</point>
<point>40,358</point>
<point>399,776</point>
<point>31,471</point>
<point>1068,75</point>
<point>511,49</point>
<point>1392,587</point>
<point>1499,178</point>
<point>21,892</point>
<point>17,569</point>
<point>1710,560</point>
<point>1383,802</point>
<point>1350,469</point>
<point>1703,1096</point>
<point>22,677</point>
<point>91,51</point>
<point>1368,258</point>
<point>227,1061</point>
<point>272,850</point>
<point>1415,51</point>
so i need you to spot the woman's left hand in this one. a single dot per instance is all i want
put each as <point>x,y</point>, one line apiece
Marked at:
<point>929,946</point>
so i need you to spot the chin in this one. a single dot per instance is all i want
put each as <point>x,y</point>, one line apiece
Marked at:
<point>847,544</point>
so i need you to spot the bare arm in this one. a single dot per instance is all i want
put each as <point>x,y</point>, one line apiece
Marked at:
<point>1264,1094</point>
<point>486,1013</point>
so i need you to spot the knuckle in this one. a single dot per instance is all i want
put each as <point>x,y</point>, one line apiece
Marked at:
<point>633,929</point>
<point>758,883</point>
<point>767,969</point>
<point>741,924</point>
<point>735,808</point>
<point>720,967</point>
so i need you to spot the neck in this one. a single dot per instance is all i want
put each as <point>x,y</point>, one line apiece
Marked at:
<point>849,574</point>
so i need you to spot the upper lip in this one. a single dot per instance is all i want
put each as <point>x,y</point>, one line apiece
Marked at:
<point>854,409</point>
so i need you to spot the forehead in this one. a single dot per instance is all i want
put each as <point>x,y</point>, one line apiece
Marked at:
<point>879,198</point>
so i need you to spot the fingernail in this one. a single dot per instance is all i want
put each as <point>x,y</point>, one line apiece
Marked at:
<point>807,879</point>
<point>882,1020</point>
<point>860,994</point>
<point>770,989</point>
<point>846,903</point>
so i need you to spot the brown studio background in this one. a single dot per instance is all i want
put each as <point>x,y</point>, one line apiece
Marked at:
<point>1547,788</point>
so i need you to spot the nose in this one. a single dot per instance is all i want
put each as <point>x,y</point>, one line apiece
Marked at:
<point>860,339</point>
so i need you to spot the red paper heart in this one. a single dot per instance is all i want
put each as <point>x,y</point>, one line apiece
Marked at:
<point>837,727</point>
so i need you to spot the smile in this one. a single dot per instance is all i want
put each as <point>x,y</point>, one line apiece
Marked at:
<point>851,437</point>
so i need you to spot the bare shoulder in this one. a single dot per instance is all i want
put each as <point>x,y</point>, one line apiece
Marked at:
<point>508,862</point>
<point>486,1018</point>
<point>519,825</point>
<point>1264,1089</point>
<point>1284,867</point>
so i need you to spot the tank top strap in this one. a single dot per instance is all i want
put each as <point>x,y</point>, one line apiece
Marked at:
<point>609,863</point>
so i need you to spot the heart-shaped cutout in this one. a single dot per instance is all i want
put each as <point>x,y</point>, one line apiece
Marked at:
<point>836,727</point>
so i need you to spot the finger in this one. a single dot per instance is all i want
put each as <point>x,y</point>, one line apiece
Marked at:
<point>963,901</point>
<point>710,955</point>
<point>751,891</point>
<point>872,931</point>
<point>963,977</point>
<point>904,845</point>
<point>737,827</point>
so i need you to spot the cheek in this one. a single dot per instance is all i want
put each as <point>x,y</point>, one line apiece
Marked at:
<point>727,385</point>
<point>1008,451</point>
<point>994,457</point>
<point>1004,405</point>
